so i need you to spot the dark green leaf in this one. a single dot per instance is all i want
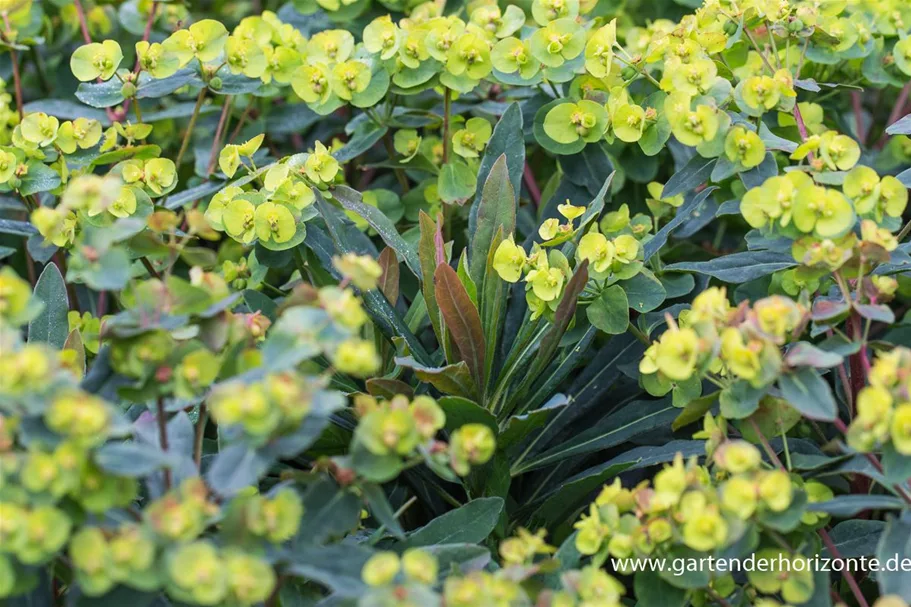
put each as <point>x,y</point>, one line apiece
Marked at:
<point>738,268</point>
<point>610,311</point>
<point>693,174</point>
<point>351,200</point>
<point>470,524</point>
<point>807,392</point>
<point>51,325</point>
<point>496,211</point>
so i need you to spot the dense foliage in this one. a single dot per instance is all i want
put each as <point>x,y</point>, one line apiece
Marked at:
<point>345,302</point>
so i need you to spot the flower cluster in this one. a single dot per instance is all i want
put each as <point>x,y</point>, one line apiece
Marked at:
<point>688,505</point>
<point>612,251</point>
<point>884,406</point>
<point>404,428</point>
<point>412,579</point>
<point>713,337</point>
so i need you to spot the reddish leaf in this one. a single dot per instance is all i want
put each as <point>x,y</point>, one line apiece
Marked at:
<point>462,320</point>
<point>389,281</point>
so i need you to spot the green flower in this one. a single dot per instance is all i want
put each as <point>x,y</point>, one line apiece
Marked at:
<point>330,46</point>
<point>349,78</point>
<point>281,63</point>
<point>760,92</point>
<point>196,371</point>
<point>744,147</point>
<point>82,417</point>
<point>509,260</point>
<point>511,55</point>
<point>471,141</point>
<point>250,579</point>
<point>244,56</point>
<point>694,78</point>
<point>380,569</point>
<point>311,83</point>
<point>46,530</point>
<point>794,582</point>
<point>156,60</point>
<point>382,37</point>
<point>356,357</point>
<point>494,22</point>
<point>216,209</point>
<point>901,52</point>
<point>15,294</point>
<point>81,133</point>
<point>705,531</point>
<point>693,127</point>
<point>407,142</point>
<point>276,518</point>
<point>413,49</point>
<point>545,11</point>
<point>677,353</point>
<point>384,431</point>
<point>91,558</point>
<point>39,129</point>
<point>901,428</point>
<point>8,164</point>
<point>420,566</point>
<point>197,574</point>
<point>239,220</point>
<point>469,55</point>
<point>546,283</point>
<point>274,223</point>
<point>557,42</point>
<point>96,60</point>
<point>597,250</point>
<point>321,167</point>
<point>204,40</point>
<point>159,174</point>
<point>838,151</point>
<point>875,197</point>
<point>568,122</point>
<point>826,213</point>
<point>599,54</point>
<point>471,445</point>
<point>247,407</point>
<point>629,122</point>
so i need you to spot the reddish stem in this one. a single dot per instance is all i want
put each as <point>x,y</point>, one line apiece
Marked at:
<point>857,107</point>
<point>852,583</point>
<point>162,419</point>
<point>897,111</point>
<point>83,24</point>
<point>530,183</point>
<point>219,131</point>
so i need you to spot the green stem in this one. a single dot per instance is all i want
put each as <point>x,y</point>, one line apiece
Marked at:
<point>186,137</point>
<point>137,110</point>
<point>641,336</point>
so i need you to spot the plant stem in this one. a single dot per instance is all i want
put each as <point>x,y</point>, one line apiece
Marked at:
<point>447,110</point>
<point>149,267</point>
<point>857,108</point>
<point>533,191</point>
<point>200,434</point>
<point>14,60</point>
<point>399,173</point>
<point>773,457</point>
<point>163,437</point>
<point>219,132</point>
<point>243,119</point>
<point>83,24</point>
<point>641,336</point>
<point>186,137</point>
<point>846,573</point>
<point>896,113</point>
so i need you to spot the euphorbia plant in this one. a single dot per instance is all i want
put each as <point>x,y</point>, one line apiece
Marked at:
<point>453,303</point>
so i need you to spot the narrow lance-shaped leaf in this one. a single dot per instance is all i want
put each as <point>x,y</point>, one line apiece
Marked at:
<point>351,201</point>
<point>388,283</point>
<point>462,320</point>
<point>494,293</point>
<point>496,211</point>
<point>428,258</point>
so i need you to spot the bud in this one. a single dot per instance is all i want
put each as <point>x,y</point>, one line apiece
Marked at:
<point>128,90</point>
